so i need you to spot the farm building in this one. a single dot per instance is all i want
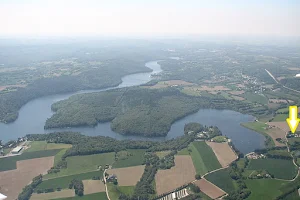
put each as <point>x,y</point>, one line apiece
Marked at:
<point>2,197</point>
<point>17,150</point>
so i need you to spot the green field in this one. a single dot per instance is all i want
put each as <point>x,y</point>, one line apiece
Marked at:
<point>280,117</point>
<point>63,182</point>
<point>292,196</point>
<point>59,155</point>
<point>222,179</point>
<point>82,164</point>
<point>183,152</point>
<point>128,190</point>
<point>255,98</point>
<point>219,139</point>
<point>203,158</point>
<point>43,145</point>
<point>136,157</point>
<point>282,169</point>
<point>162,154</point>
<point>9,163</point>
<point>259,127</point>
<point>293,140</point>
<point>263,189</point>
<point>113,191</point>
<point>281,110</point>
<point>95,196</point>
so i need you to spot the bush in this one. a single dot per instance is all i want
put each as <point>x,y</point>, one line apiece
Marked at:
<point>198,176</point>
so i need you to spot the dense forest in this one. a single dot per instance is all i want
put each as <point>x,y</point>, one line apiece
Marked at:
<point>140,111</point>
<point>107,76</point>
<point>86,145</point>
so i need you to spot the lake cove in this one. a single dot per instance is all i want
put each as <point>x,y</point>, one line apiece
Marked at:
<point>33,115</point>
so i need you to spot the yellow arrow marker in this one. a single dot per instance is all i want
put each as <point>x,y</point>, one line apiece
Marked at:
<point>293,120</point>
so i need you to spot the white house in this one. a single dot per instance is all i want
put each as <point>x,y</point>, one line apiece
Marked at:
<point>17,149</point>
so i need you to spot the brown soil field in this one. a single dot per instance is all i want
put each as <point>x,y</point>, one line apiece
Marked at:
<point>54,195</point>
<point>12,182</point>
<point>273,105</point>
<point>238,98</point>
<point>128,176</point>
<point>209,89</point>
<point>277,100</point>
<point>182,173</point>
<point>209,189</point>
<point>237,92</point>
<point>280,78</point>
<point>282,125</point>
<point>294,68</point>
<point>6,86</point>
<point>164,84</point>
<point>93,186</point>
<point>223,152</point>
<point>276,133</point>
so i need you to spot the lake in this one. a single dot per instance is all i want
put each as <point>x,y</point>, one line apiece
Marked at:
<point>33,115</point>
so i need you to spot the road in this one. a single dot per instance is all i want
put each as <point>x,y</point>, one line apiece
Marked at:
<point>106,190</point>
<point>280,83</point>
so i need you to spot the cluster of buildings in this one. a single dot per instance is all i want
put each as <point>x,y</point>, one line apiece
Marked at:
<point>176,195</point>
<point>254,155</point>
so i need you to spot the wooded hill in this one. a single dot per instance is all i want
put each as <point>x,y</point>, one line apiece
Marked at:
<point>140,111</point>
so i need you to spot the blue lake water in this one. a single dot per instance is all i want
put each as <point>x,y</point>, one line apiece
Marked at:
<point>33,115</point>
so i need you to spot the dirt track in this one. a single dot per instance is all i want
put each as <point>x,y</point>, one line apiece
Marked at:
<point>182,173</point>
<point>223,152</point>
<point>12,182</point>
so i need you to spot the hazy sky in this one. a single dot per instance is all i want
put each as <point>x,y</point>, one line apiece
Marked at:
<point>149,17</point>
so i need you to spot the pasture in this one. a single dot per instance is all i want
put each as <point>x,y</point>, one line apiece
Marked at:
<point>43,145</point>
<point>13,181</point>
<point>83,164</point>
<point>282,169</point>
<point>9,163</point>
<point>182,173</point>
<point>63,182</point>
<point>132,157</point>
<point>203,157</point>
<point>264,188</point>
<point>255,98</point>
<point>221,179</point>
<point>53,195</point>
<point>96,196</point>
<point>128,176</point>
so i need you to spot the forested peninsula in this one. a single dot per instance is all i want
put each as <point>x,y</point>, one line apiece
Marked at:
<point>105,76</point>
<point>137,110</point>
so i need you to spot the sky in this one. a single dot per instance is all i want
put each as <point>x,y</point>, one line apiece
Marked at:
<point>277,18</point>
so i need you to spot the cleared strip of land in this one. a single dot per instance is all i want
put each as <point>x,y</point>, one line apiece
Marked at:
<point>53,195</point>
<point>182,173</point>
<point>224,153</point>
<point>12,182</point>
<point>128,176</point>
<point>209,189</point>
